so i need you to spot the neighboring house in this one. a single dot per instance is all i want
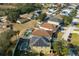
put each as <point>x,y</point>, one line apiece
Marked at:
<point>26,16</point>
<point>54,20</point>
<point>40,43</point>
<point>21,21</point>
<point>42,33</point>
<point>66,11</point>
<point>56,5</point>
<point>3,19</point>
<point>48,26</point>
<point>36,14</point>
<point>71,7</point>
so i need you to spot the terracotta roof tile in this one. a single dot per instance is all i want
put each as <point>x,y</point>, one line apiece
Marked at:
<point>40,32</point>
<point>48,26</point>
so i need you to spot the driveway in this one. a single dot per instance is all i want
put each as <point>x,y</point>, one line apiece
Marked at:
<point>67,32</point>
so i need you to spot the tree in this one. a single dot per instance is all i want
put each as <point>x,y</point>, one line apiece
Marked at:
<point>13,15</point>
<point>73,13</point>
<point>60,47</point>
<point>27,8</point>
<point>42,16</point>
<point>67,20</point>
<point>38,6</point>
<point>5,39</point>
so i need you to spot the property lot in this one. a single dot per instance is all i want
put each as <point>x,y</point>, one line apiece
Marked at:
<point>22,27</point>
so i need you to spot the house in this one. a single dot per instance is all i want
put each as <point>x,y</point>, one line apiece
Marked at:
<point>66,11</point>
<point>36,14</point>
<point>48,26</point>
<point>42,33</point>
<point>3,19</point>
<point>56,5</point>
<point>54,20</point>
<point>26,16</point>
<point>21,21</point>
<point>40,43</point>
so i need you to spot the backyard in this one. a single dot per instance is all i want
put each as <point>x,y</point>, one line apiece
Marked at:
<point>22,27</point>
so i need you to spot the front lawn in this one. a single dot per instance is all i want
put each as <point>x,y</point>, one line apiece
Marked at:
<point>75,39</point>
<point>77,25</point>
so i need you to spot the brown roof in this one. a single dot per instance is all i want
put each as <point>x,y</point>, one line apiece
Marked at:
<point>48,26</point>
<point>40,32</point>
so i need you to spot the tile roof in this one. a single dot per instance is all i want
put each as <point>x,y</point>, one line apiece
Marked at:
<point>48,26</point>
<point>41,32</point>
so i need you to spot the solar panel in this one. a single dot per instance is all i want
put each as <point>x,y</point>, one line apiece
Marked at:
<point>40,41</point>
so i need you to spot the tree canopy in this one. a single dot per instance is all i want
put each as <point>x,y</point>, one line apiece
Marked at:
<point>67,20</point>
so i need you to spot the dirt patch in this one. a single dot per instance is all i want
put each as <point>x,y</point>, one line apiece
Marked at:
<point>22,27</point>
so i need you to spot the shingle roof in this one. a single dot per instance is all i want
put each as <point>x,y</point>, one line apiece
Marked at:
<point>39,41</point>
<point>41,32</point>
<point>55,19</point>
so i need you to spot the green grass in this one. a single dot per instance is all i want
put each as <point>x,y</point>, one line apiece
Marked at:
<point>60,34</point>
<point>77,25</point>
<point>75,39</point>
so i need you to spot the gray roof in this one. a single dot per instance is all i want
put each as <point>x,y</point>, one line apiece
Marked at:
<point>53,18</point>
<point>39,41</point>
